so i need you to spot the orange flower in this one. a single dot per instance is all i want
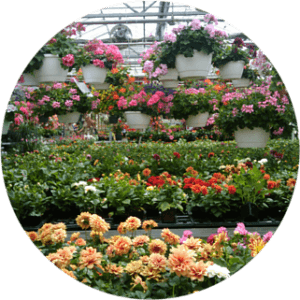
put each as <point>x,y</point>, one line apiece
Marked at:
<point>122,90</point>
<point>32,235</point>
<point>208,81</point>
<point>157,246</point>
<point>83,220</point>
<point>80,242</point>
<point>180,260</point>
<point>196,188</point>
<point>140,240</point>
<point>157,261</point>
<point>122,245</point>
<point>204,190</point>
<point>133,223</point>
<point>116,97</point>
<point>231,189</point>
<point>256,245</point>
<point>192,243</point>
<point>98,224</point>
<point>89,258</point>
<point>131,79</point>
<point>170,237</point>
<point>271,184</point>
<point>74,236</point>
<point>114,269</point>
<point>198,271</point>
<point>266,176</point>
<point>146,172</point>
<point>110,107</point>
<point>217,87</point>
<point>149,224</point>
<point>291,182</point>
<point>114,70</point>
<point>70,273</point>
<point>122,228</point>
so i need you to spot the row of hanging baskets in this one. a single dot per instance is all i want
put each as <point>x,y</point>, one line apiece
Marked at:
<point>198,67</point>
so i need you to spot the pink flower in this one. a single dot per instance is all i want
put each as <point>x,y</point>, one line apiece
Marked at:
<point>195,24</point>
<point>46,98</point>
<point>210,29</point>
<point>210,18</point>
<point>169,37</point>
<point>98,52</point>
<point>69,103</point>
<point>55,104</point>
<point>41,102</point>
<point>73,91</point>
<point>24,110</point>
<point>267,236</point>
<point>221,229</point>
<point>68,60</point>
<point>57,85</point>
<point>76,97</point>
<point>279,131</point>
<point>171,137</point>
<point>178,29</point>
<point>133,103</point>
<point>187,233</point>
<point>148,66</point>
<point>247,108</point>
<point>98,63</point>
<point>234,111</point>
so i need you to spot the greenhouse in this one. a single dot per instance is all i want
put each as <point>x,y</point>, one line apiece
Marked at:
<point>150,150</point>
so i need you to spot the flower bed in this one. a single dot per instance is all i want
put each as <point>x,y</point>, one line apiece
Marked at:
<point>141,267</point>
<point>63,180</point>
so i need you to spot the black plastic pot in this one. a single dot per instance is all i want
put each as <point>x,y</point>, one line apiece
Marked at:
<point>249,212</point>
<point>119,137</point>
<point>169,215</point>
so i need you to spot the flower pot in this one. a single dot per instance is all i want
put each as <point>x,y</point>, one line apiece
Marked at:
<point>69,118</point>
<point>51,70</point>
<point>5,127</point>
<point>249,212</point>
<point>119,137</point>
<point>101,86</point>
<point>247,138</point>
<point>94,75</point>
<point>232,70</point>
<point>170,80</point>
<point>137,120</point>
<point>169,215</point>
<point>198,120</point>
<point>30,79</point>
<point>113,119</point>
<point>194,67</point>
<point>243,82</point>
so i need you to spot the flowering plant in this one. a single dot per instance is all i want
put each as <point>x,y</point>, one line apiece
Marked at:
<point>99,54</point>
<point>61,98</point>
<point>196,37</point>
<point>255,107</point>
<point>62,45</point>
<point>233,52</point>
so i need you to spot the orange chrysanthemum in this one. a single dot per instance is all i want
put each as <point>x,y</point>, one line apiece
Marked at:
<point>133,223</point>
<point>80,242</point>
<point>70,273</point>
<point>122,228</point>
<point>114,70</point>
<point>180,260</point>
<point>58,236</point>
<point>122,245</point>
<point>256,245</point>
<point>198,271</point>
<point>99,224</point>
<point>146,172</point>
<point>149,224</point>
<point>192,243</point>
<point>114,269</point>
<point>83,220</point>
<point>157,261</point>
<point>74,236</point>
<point>32,235</point>
<point>291,182</point>
<point>89,258</point>
<point>140,240</point>
<point>157,246</point>
<point>134,267</point>
<point>170,237</point>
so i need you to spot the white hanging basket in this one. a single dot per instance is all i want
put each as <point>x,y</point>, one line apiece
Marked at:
<point>232,70</point>
<point>101,86</point>
<point>170,83</point>
<point>171,75</point>
<point>255,138</point>
<point>69,118</point>
<point>30,79</point>
<point>5,127</point>
<point>243,82</point>
<point>137,120</point>
<point>194,67</point>
<point>94,74</point>
<point>51,70</point>
<point>198,120</point>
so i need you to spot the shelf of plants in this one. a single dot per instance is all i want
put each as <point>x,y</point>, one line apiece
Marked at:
<point>197,173</point>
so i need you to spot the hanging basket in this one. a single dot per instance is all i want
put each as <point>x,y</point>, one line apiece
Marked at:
<point>94,75</point>
<point>51,70</point>
<point>5,127</point>
<point>255,138</point>
<point>113,119</point>
<point>239,83</point>
<point>198,120</point>
<point>137,120</point>
<point>30,79</point>
<point>232,70</point>
<point>101,86</point>
<point>69,118</point>
<point>195,67</point>
<point>170,80</point>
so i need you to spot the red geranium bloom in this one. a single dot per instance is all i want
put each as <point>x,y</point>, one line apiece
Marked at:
<point>196,188</point>
<point>176,154</point>
<point>231,189</point>
<point>210,154</point>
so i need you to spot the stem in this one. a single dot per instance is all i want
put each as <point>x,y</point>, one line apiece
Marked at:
<point>173,294</point>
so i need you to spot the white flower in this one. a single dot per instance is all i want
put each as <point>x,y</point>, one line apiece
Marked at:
<point>79,183</point>
<point>222,167</point>
<point>216,270</point>
<point>263,161</point>
<point>90,188</point>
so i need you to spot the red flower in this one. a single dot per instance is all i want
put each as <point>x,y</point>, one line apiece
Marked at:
<point>176,154</point>
<point>210,154</point>
<point>231,189</point>
<point>271,184</point>
<point>204,190</point>
<point>196,188</point>
<point>156,157</point>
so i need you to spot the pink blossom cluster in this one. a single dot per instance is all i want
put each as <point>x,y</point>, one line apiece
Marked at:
<point>95,104</point>
<point>186,234</point>
<point>57,85</point>
<point>76,97</point>
<point>210,18</point>
<point>164,103</point>
<point>148,66</point>
<point>247,108</point>
<point>195,24</point>
<point>234,111</point>
<point>55,104</point>
<point>193,91</point>
<point>169,37</point>
<point>46,98</point>
<point>241,229</point>
<point>73,91</point>
<point>98,63</point>
<point>178,29</point>
<point>279,131</point>
<point>18,119</point>
<point>267,236</point>
<point>68,60</point>
<point>69,103</point>
<point>162,69</point>
<point>210,121</point>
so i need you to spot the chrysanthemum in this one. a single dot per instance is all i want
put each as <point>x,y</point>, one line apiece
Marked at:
<point>192,243</point>
<point>140,240</point>
<point>122,228</point>
<point>122,245</point>
<point>170,237</point>
<point>149,224</point>
<point>56,259</point>
<point>110,251</point>
<point>256,245</point>
<point>58,236</point>
<point>70,273</point>
<point>32,235</point>
<point>157,246</point>
<point>45,237</point>
<point>114,269</point>
<point>80,242</point>
<point>157,261</point>
<point>74,236</point>
<point>150,272</point>
<point>98,224</point>
<point>133,223</point>
<point>138,280</point>
<point>89,258</point>
<point>134,267</point>
<point>198,271</point>
<point>180,260</point>
<point>146,172</point>
<point>83,220</point>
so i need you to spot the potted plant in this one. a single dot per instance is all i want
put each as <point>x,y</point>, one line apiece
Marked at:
<point>53,61</point>
<point>252,114</point>
<point>194,47</point>
<point>95,59</point>
<point>231,59</point>
<point>61,99</point>
<point>249,75</point>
